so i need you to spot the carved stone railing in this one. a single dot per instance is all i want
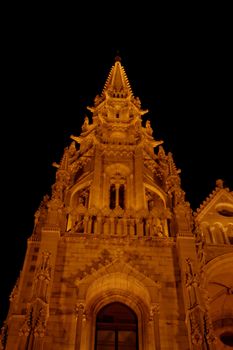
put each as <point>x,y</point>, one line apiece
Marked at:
<point>120,225</point>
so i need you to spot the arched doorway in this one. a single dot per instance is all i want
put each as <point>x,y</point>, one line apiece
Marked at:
<point>116,328</point>
<point>218,283</point>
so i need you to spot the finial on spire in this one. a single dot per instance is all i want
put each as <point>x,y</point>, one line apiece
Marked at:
<point>117,57</point>
<point>117,84</point>
<point>219,183</point>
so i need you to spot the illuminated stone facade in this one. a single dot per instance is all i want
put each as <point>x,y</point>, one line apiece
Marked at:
<point>118,231</point>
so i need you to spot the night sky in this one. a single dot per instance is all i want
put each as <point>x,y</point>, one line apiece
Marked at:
<point>53,69</point>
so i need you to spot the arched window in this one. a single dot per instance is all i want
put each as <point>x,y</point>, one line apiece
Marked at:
<point>116,328</point>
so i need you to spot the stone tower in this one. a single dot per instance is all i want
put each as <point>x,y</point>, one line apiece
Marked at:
<point>117,259</point>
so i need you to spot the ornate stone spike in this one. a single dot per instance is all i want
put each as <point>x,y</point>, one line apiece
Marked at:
<point>196,335</point>
<point>79,309</point>
<point>200,247</point>
<point>161,153</point>
<point>172,167</point>
<point>3,335</point>
<point>27,325</point>
<point>208,330</point>
<point>219,183</point>
<point>191,277</point>
<point>40,323</point>
<point>149,129</point>
<point>45,268</point>
<point>155,309</point>
<point>14,292</point>
<point>85,125</point>
<point>80,313</point>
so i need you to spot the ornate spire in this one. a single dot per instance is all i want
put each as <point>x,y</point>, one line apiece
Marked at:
<point>117,84</point>
<point>172,167</point>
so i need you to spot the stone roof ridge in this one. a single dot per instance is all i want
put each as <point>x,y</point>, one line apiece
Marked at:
<point>219,187</point>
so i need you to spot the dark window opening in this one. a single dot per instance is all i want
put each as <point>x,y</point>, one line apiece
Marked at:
<point>93,221</point>
<point>116,328</point>
<point>122,196</point>
<point>227,338</point>
<point>128,228</point>
<point>225,212</point>
<point>135,229</point>
<point>169,222</point>
<point>144,226</point>
<point>112,197</point>
<point>173,200</point>
<point>78,174</point>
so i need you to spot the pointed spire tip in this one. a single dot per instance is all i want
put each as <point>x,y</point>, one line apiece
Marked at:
<point>117,58</point>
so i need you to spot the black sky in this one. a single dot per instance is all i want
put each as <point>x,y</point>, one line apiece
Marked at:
<point>53,68</point>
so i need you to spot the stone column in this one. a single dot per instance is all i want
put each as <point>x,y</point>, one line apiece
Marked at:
<point>112,225</point>
<point>106,226</point>
<point>155,317</point>
<point>132,227</point>
<point>79,312</point>
<point>117,195</point>
<point>124,230</point>
<point>86,219</point>
<point>104,201</point>
<point>130,196</point>
<point>139,227</point>
<point>99,226</point>
<point>83,344</point>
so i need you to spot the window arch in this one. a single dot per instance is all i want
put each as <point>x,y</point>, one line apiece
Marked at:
<point>116,328</point>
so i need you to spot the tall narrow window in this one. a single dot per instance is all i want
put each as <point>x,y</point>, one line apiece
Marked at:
<point>112,196</point>
<point>122,196</point>
<point>144,226</point>
<point>93,223</point>
<point>116,328</point>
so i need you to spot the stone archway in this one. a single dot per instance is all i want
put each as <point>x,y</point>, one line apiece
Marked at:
<point>127,289</point>
<point>118,287</point>
<point>219,284</point>
<point>116,328</point>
